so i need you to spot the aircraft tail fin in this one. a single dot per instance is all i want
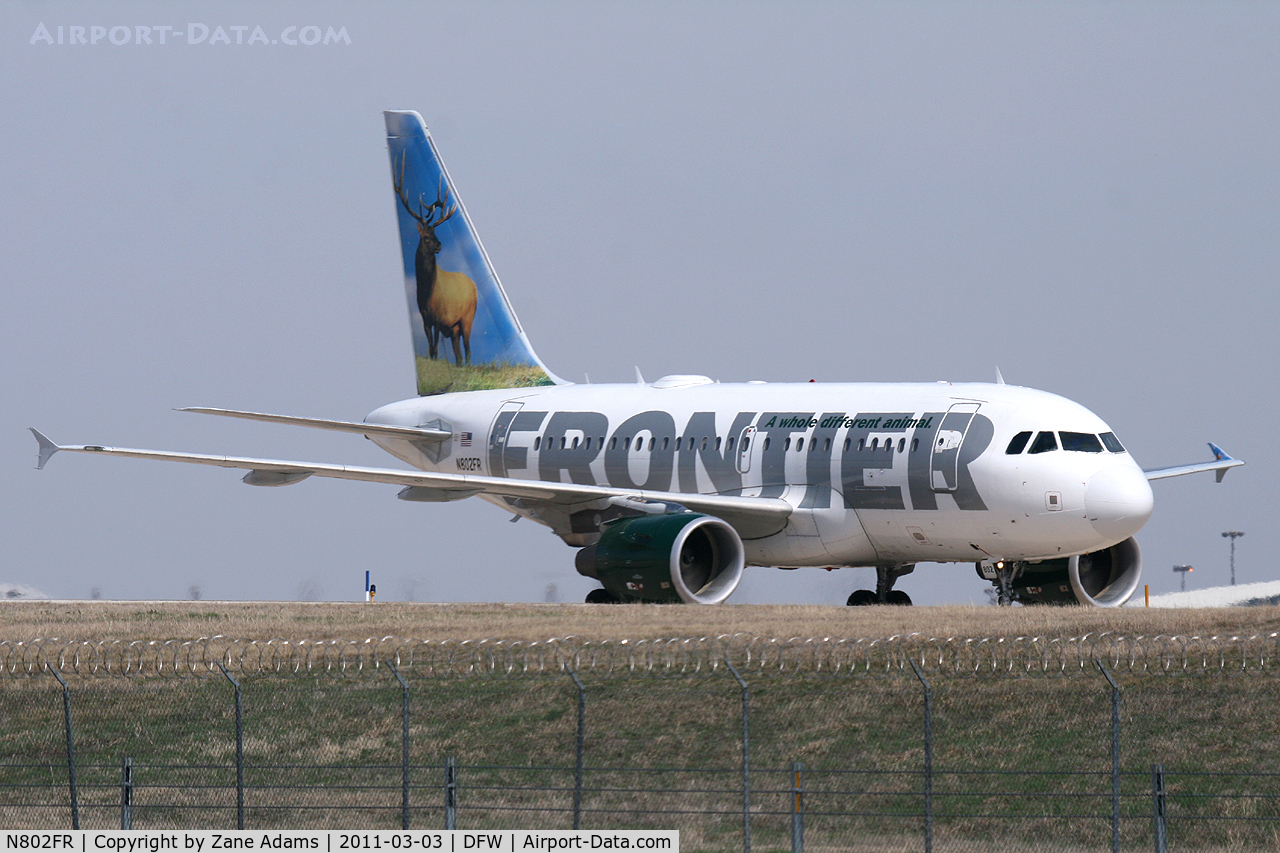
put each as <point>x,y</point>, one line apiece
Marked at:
<point>465,334</point>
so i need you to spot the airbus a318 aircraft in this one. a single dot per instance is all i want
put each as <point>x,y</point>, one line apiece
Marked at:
<point>670,489</point>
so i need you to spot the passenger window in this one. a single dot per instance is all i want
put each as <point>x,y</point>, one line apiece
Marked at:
<point>718,444</point>
<point>846,445</point>
<point>704,442</point>
<point>766,443</point>
<point>733,439</point>
<point>1081,442</point>
<point>826,445</point>
<point>746,443</point>
<point>665,442</point>
<point>915,445</point>
<point>786,444</point>
<point>1018,444</point>
<point>799,444</point>
<point>613,443</point>
<point>562,442</point>
<point>537,442</point>
<point>902,444</point>
<point>1112,443</point>
<point>1044,442</point>
<point>653,439</point>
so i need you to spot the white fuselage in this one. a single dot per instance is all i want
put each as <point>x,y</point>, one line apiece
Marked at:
<point>878,473</point>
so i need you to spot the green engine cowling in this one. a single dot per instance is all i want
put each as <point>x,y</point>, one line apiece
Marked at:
<point>673,557</point>
<point>1106,578</point>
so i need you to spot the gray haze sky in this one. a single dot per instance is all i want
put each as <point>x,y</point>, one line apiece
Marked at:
<point>1084,194</point>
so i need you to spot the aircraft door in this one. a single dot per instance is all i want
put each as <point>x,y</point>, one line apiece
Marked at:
<point>745,441</point>
<point>944,458</point>
<point>499,433</point>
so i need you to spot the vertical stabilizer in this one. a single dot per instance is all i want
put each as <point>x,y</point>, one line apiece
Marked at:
<point>465,335</point>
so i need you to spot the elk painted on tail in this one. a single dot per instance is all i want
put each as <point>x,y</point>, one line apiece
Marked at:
<point>446,300</point>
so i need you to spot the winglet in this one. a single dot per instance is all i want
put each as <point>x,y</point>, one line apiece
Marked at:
<point>47,447</point>
<point>1220,455</point>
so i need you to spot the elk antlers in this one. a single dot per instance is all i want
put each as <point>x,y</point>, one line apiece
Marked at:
<point>424,215</point>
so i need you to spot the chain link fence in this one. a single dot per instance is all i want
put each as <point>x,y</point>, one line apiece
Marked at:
<point>738,742</point>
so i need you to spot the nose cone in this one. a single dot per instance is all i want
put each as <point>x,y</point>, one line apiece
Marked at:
<point>1118,501</point>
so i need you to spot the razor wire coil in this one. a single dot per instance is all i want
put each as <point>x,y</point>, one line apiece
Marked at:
<point>978,657</point>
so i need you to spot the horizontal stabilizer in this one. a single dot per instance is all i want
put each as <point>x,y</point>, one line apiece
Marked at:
<point>410,433</point>
<point>1221,464</point>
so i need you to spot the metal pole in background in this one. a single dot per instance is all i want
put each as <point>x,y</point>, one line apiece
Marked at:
<point>126,793</point>
<point>404,748</point>
<point>239,749</point>
<point>577,770</point>
<point>746,764</point>
<point>71,749</point>
<point>1234,535</point>
<point>797,808</point>
<point>1159,813</point>
<point>928,759</point>
<point>1115,757</point>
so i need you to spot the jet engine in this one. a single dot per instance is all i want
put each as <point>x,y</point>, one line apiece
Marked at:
<point>1104,578</point>
<point>672,557</point>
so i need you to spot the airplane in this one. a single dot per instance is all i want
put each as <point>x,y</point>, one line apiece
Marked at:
<point>669,489</point>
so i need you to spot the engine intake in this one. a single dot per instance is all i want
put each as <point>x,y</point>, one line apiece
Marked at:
<point>681,556</point>
<point>1106,578</point>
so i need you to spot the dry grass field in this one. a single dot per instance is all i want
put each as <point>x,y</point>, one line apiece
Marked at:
<point>1016,757</point>
<point>167,620</point>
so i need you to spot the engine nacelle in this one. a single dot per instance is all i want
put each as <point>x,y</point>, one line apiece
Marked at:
<point>679,556</point>
<point>1106,578</point>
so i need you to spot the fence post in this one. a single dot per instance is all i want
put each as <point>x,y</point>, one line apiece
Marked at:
<point>71,748</point>
<point>746,763</point>
<point>126,793</point>
<point>1115,757</point>
<point>450,793</point>
<point>404,747</point>
<point>1159,814</point>
<point>928,758</point>
<point>577,769</point>
<point>797,808</point>
<point>239,749</point>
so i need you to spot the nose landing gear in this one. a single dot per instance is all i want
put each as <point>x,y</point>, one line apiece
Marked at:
<point>1002,574</point>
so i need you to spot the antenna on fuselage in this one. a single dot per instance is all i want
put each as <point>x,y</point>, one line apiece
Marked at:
<point>639,378</point>
<point>999,378</point>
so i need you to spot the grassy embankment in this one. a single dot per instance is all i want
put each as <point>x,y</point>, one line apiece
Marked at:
<point>861,739</point>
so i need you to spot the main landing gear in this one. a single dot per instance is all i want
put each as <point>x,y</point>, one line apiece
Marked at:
<point>886,577</point>
<point>601,596</point>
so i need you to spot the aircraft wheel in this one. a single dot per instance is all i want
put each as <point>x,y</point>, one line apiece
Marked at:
<point>600,596</point>
<point>899,598</point>
<point>861,598</point>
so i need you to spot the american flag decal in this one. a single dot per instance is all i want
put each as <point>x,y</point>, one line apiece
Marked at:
<point>464,438</point>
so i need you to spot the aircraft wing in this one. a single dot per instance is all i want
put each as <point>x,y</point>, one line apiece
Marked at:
<point>411,433</point>
<point>753,518</point>
<point>1221,463</point>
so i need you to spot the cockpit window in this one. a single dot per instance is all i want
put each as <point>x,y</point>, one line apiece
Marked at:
<point>1113,444</point>
<point>1081,442</point>
<point>1018,444</point>
<point>1044,442</point>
